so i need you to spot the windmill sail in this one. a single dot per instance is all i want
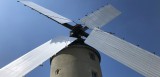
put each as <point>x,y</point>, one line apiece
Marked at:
<point>100,17</point>
<point>26,63</point>
<point>54,16</point>
<point>126,53</point>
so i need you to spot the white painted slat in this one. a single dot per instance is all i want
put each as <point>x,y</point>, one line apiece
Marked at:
<point>100,17</point>
<point>56,17</point>
<point>126,53</point>
<point>26,63</point>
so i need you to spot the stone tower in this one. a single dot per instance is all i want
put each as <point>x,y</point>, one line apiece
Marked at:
<point>76,60</point>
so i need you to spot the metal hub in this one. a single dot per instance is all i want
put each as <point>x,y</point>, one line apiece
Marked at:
<point>77,31</point>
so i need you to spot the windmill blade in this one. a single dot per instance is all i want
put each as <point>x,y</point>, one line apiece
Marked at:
<point>126,53</point>
<point>50,14</point>
<point>26,63</point>
<point>100,17</point>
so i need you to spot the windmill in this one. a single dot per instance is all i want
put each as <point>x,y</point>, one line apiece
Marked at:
<point>150,70</point>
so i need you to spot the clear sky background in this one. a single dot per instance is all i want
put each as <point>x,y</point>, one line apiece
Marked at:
<point>22,29</point>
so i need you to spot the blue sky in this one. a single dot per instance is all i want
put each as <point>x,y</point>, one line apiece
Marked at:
<point>22,29</point>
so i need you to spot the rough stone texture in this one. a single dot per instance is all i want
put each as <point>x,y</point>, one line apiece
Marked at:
<point>75,61</point>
